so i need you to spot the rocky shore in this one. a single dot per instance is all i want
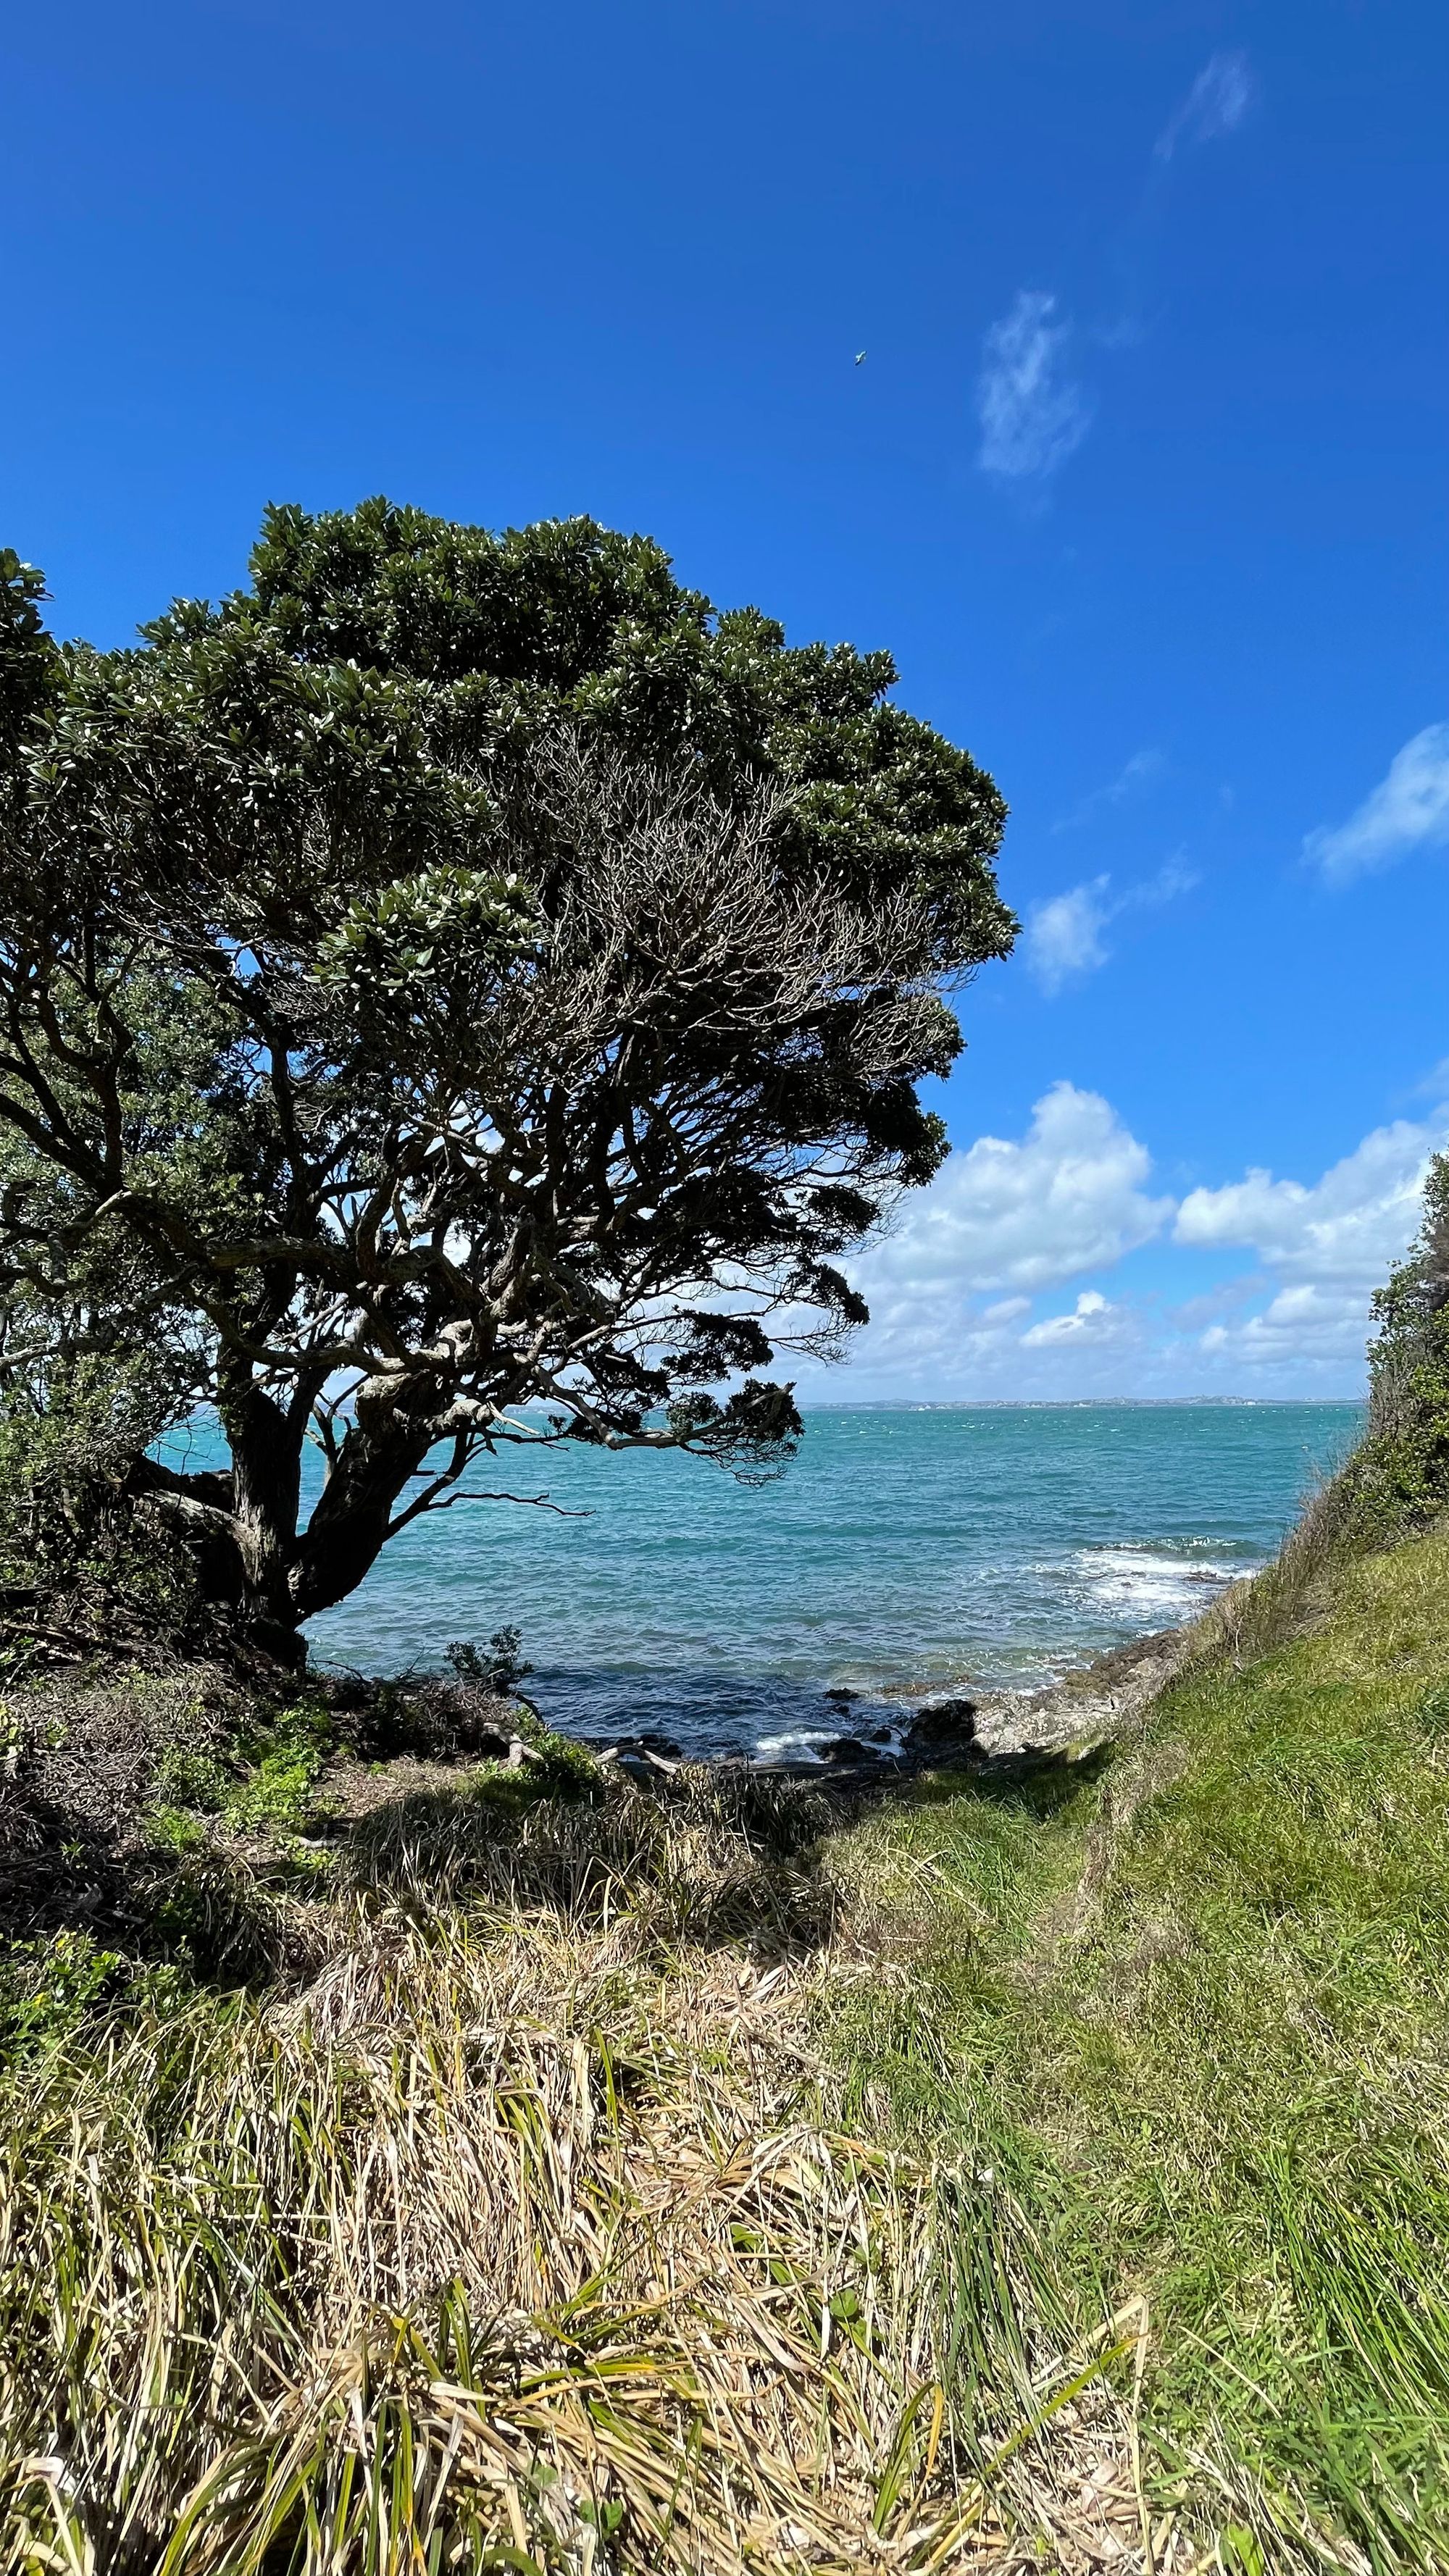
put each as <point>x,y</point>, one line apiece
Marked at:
<point>952,1732</point>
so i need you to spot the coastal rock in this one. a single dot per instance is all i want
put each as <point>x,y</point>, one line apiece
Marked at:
<point>1100,1699</point>
<point>945,1730</point>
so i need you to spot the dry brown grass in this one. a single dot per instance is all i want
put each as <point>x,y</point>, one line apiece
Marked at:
<point>523,2236</point>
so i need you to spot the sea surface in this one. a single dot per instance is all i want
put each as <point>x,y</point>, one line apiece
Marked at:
<point>903,1552</point>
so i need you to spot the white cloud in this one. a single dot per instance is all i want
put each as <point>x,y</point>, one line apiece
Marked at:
<point>1064,936</point>
<point>1069,1196</point>
<point>954,1291</point>
<point>1092,1323</point>
<point>1345,1229</point>
<point>1408,810</point>
<point>1217,103</point>
<point>1018,1215</point>
<point>1330,1245</point>
<point>1302,1330</point>
<point>1032,413</point>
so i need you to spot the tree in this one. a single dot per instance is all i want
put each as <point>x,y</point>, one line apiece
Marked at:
<point>1399,1477</point>
<point>456,975</point>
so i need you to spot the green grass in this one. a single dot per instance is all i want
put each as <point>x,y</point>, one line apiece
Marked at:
<point>1189,2003</point>
<point>541,2173</point>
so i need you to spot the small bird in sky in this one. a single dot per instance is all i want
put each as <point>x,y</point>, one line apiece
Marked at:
<point>860,357</point>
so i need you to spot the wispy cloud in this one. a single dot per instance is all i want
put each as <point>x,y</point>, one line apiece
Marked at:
<point>1216,104</point>
<point>1434,1085</point>
<point>1033,414</point>
<point>1134,775</point>
<point>1065,937</point>
<point>1408,810</point>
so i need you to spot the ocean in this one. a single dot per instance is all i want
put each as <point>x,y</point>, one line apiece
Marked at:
<point>904,1551</point>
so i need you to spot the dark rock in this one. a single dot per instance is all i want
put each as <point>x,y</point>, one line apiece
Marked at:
<point>943,1728</point>
<point>840,1695</point>
<point>881,1735</point>
<point>847,1748</point>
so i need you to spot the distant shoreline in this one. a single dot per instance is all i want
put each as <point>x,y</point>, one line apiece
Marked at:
<point>1088,1404</point>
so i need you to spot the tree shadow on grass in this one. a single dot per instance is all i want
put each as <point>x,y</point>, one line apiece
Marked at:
<point>1041,1782</point>
<point>702,1860</point>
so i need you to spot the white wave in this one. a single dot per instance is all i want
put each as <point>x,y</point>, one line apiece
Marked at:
<point>1141,1582</point>
<point>798,1744</point>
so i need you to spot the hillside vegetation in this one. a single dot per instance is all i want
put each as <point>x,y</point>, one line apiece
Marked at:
<point>1188,2003</point>
<point>424,2149</point>
<point>1046,2162</point>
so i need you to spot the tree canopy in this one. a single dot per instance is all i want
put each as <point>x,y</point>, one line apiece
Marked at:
<point>460,992</point>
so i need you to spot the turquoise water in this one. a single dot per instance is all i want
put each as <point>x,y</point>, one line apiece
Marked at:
<point>902,1551</point>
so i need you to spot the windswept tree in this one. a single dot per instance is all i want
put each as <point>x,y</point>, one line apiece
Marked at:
<point>460,993</point>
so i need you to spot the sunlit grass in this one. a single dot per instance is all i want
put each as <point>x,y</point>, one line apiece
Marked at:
<point>1197,2011</point>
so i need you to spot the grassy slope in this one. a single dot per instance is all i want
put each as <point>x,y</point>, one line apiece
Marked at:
<point>1164,2023</point>
<point>1189,2003</point>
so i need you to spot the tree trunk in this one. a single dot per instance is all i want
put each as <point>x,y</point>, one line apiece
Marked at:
<point>251,1559</point>
<point>389,1437</point>
<point>265,1440</point>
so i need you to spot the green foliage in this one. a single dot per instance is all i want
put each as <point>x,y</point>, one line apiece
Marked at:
<point>48,1988</point>
<point>500,1669</point>
<point>444,976</point>
<point>1399,1478</point>
<point>193,1777</point>
<point>176,1829</point>
<point>282,1761</point>
<point>72,1555</point>
<point>258,1779</point>
<point>27,656</point>
<point>449,926</point>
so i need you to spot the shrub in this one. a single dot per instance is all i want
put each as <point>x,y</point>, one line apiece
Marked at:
<point>76,1565</point>
<point>1398,1479</point>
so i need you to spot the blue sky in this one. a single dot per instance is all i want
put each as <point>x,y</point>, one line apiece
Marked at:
<point>1142,480</point>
